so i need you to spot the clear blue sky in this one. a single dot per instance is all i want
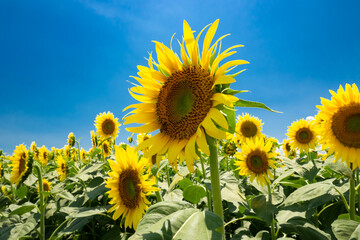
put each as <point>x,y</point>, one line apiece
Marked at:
<point>63,62</point>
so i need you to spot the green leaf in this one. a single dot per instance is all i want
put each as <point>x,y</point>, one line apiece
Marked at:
<point>80,212</point>
<point>75,224</point>
<point>230,191</point>
<point>347,216</point>
<point>356,234</point>
<point>306,231</point>
<point>263,209</point>
<point>343,229</point>
<point>338,167</point>
<point>312,191</point>
<point>229,91</point>
<point>97,191</point>
<point>21,192</point>
<point>194,193</point>
<point>245,103</point>
<point>175,220</point>
<point>262,235</point>
<point>66,195</point>
<point>174,195</point>
<point>184,183</point>
<point>22,210</point>
<point>22,229</point>
<point>156,213</point>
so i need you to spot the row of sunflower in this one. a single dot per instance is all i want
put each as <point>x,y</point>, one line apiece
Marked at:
<point>203,168</point>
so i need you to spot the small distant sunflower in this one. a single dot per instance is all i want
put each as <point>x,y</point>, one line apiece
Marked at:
<point>129,185</point>
<point>107,125</point>
<point>46,186</point>
<point>61,167</point>
<point>106,147</point>
<point>339,124</point>
<point>83,155</point>
<point>302,135</point>
<point>94,139</point>
<point>229,148</point>
<point>43,155</point>
<point>34,149</point>
<point>288,151</point>
<point>19,163</point>
<point>247,126</point>
<point>255,160</point>
<point>71,139</point>
<point>141,137</point>
<point>1,170</point>
<point>179,97</point>
<point>67,151</point>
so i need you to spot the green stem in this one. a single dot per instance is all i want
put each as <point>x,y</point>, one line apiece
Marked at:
<point>344,199</point>
<point>157,193</point>
<point>42,204</point>
<point>167,175</point>
<point>79,155</point>
<point>204,177</point>
<point>215,180</point>
<point>57,229</point>
<point>352,198</point>
<point>358,190</point>
<point>273,234</point>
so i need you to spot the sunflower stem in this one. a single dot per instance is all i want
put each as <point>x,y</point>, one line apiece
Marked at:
<point>273,233</point>
<point>157,193</point>
<point>42,204</point>
<point>352,198</point>
<point>357,189</point>
<point>79,156</point>
<point>215,181</point>
<point>204,177</point>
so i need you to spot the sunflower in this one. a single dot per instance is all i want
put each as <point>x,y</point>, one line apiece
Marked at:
<point>46,186</point>
<point>129,185</point>
<point>94,139</point>
<point>43,155</point>
<point>339,124</point>
<point>288,151</point>
<point>83,155</point>
<point>255,160</point>
<point>247,126</point>
<point>107,126</point>
<point>19,163</point>
<point>106,147</point>
<point>71,139</point>
<point>181,97</point>
<point>302,135</point>
<point>62,167</point>
<point>67,152</point>
<point>229,148</point>
<point>34,149</point>
<point>1,170</point>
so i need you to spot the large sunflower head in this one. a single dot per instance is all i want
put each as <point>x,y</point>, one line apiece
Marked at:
<point>247,126</point>
<point>181,97</point>
<point>107,125</point>
<point>129,184</point>
<point>19,163</point>
<point>43,155</point>
<point>302,135</point>
<point>339,124</point>
<point>62,168</point>
<point>255,160</point>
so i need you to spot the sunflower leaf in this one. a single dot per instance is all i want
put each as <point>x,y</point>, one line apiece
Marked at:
<point>245,103</point>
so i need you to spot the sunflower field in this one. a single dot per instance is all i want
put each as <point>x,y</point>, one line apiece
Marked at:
<point>192,168</point>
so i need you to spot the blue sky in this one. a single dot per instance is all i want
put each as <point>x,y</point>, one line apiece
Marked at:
<point>63,62</point>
